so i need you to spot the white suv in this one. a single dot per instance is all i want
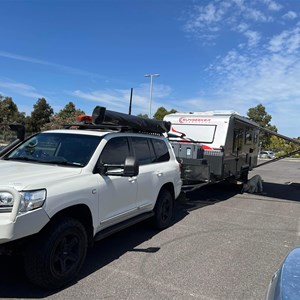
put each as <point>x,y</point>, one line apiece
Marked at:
<point>61,190</point>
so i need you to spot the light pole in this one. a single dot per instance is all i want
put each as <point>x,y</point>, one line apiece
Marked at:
<point>151,84</point>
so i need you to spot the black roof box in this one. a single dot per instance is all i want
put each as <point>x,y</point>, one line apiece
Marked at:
<point>102,116</point>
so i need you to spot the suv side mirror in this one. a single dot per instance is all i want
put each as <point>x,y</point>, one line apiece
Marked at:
<point>131,167</point>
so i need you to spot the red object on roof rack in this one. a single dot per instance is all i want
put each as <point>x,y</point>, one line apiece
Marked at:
<point>85,119</point>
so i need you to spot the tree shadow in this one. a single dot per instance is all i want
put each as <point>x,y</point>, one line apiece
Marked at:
<point>288,191</point>
<point>222,191</point>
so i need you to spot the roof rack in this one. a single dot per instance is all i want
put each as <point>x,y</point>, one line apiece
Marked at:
<point>112,120</point>
<point>81,125</point>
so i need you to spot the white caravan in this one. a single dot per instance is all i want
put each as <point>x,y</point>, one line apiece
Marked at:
<point>213,145</point>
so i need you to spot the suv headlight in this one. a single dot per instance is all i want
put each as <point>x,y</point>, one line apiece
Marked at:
<point>6,201</point>
<point>32,199</point>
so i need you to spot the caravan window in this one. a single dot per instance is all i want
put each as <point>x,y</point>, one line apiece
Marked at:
<point>248,136</point>
<point>199,133</point>
<point>256,136</point>
<point>238,139</point>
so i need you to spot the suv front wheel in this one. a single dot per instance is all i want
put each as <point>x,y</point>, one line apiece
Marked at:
<point>163,210</point>
<point>56,256</point>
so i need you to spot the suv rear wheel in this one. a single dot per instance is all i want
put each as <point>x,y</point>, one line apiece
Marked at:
<point>163,210</point>
<point>55,258</point>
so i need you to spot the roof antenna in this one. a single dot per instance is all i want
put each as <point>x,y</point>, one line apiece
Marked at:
<point>130,102</point>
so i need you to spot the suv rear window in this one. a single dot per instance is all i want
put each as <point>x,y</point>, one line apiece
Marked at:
<point>149,150</point>
<point>142,150</point>
<point>161,150</point>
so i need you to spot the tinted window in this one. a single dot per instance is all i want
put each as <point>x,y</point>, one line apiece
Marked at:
<point>152,153</point>
<point>161,150</point>
<point>141,149</point>
<point>115,151</point>
<point>74,149</point>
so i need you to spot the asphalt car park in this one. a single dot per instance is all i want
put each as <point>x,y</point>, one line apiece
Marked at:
<point>221,245</point>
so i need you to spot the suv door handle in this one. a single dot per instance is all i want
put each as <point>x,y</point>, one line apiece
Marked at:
<point>132,179</point>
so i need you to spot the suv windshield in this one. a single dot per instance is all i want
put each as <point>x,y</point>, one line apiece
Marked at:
<point>57,148</point>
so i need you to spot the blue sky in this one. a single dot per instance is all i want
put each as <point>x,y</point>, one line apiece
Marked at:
<point>211,55</point>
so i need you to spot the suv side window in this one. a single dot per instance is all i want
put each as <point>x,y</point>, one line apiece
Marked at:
<point>115,151</point>
<point>161,150</point>
<point>142,150</point>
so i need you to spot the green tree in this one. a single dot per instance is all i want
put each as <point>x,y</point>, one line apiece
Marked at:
<point>282,146</point>
<point>161,112</point>
<point>9,112</point>
<point>67,115</point>
<point>259,115</point>
<point>70,112</point>
<point>41,114</point>
<point>145,116</point>
<point>278,144</point>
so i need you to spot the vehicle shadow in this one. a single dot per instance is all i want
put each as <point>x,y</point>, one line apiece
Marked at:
<point>13,282</point>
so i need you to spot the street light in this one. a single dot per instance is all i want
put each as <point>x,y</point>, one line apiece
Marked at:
<point>151,83</point>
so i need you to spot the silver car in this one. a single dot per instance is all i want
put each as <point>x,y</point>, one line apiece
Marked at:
<point>266,154</point>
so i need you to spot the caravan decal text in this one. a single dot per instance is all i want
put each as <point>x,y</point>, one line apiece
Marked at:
<point>194,120</point>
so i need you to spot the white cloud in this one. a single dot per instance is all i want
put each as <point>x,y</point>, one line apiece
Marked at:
<point>255,15</point>
<point>20,89</point>
<point>290,15</point>
<point>276,44</point>
<point>112,99</point>
<point>118,99</point>
<point>272,5</point>
<point>210,14</point>
<point>207,22</point>
<point>288,41</point>
<point>242,27</point>
<point>253,37</point>
<point>32,60</point>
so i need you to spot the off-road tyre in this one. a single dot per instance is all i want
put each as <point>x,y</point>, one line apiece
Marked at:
<point>163,210</point>
<point>56,256</point>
